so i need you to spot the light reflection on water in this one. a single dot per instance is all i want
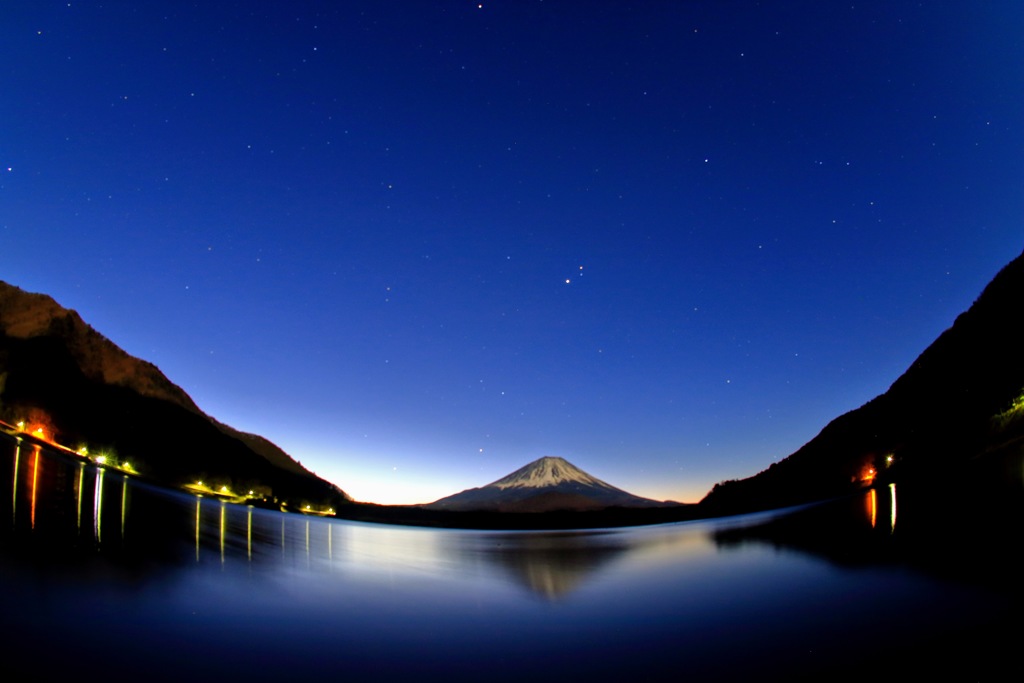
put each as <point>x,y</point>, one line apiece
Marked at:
<point>173,586</point>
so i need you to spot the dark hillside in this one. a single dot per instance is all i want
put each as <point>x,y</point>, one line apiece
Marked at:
<point>937,416</point>
<point>57,370</point>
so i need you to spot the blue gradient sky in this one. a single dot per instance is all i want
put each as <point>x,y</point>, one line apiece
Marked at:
<point>419,244</point>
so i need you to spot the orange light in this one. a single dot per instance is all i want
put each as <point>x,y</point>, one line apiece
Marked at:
<point>872,505</point>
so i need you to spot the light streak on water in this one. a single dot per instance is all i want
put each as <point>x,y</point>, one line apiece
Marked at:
<point>223,524</point>
<point>872,504</point>
<point>198,499</point>
<point>892,507</point>
<point>14,492</point>
<point>78,496</point>
<point>124,503</point>
<point>98,504</point>
<point>35,481</point>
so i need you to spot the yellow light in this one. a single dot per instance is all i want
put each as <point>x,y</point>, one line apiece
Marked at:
<point>21,425</point>
<point>224,489</point>
<point>101,459</point>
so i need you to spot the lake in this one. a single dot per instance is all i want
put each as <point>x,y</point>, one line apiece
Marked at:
<point>105,576</point>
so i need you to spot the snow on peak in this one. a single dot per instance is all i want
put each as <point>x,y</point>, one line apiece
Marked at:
<point>547,471</point>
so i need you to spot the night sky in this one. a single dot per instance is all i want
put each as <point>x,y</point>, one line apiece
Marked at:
<point>419,244</point>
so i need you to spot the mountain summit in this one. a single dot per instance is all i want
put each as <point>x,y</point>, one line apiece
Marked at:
<point>546,484</point>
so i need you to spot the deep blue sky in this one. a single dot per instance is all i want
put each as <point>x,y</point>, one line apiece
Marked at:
<point>419,244</point>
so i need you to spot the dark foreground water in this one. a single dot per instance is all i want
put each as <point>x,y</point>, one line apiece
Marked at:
<point>104,578</point>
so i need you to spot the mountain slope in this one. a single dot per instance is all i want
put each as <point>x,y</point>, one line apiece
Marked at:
<point>544,485</point>
<point>934,418</point>
<point>56,369</point>
<point>27,315</point>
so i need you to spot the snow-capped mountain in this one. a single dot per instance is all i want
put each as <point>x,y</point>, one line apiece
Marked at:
<point>544,485</point>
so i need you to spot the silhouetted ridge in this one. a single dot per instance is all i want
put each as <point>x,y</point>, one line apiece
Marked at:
<point>56,369</point>
<point>937,414</point>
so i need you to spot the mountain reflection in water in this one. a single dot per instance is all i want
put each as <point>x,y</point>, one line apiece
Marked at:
<point>131,581</point>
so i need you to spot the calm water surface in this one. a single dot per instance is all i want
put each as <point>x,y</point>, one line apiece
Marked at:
<point>105,576</point>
